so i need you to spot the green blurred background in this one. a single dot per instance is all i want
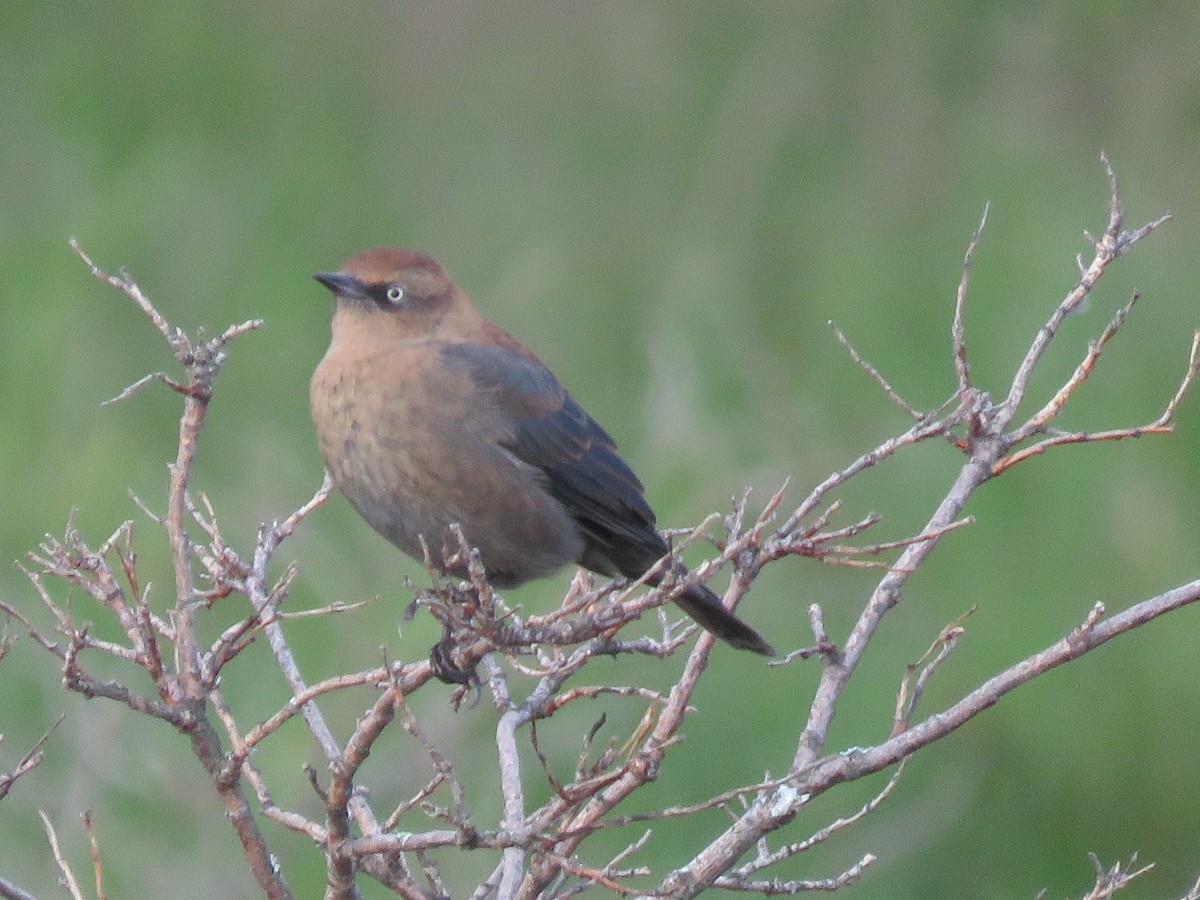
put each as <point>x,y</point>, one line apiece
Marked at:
<point>668,202</point>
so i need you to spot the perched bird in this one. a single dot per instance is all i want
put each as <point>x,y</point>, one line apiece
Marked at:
<point>428,414</point>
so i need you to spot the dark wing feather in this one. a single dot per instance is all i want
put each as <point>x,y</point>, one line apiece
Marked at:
<point>543,427</point>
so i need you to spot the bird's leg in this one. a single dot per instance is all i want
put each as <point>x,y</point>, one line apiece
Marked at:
<point>445,669</point>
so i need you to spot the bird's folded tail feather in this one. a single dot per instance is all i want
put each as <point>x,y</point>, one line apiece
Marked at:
<point>706,608</point>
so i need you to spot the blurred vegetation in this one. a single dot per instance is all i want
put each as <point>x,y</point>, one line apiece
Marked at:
<point>668,202</point>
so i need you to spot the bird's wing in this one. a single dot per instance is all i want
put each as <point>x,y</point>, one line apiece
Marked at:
<point>543,427</point>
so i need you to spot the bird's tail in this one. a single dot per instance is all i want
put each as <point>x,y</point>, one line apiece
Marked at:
<point>707,609</point>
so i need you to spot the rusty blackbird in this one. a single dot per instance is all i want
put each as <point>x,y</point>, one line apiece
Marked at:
<point>428,414</point>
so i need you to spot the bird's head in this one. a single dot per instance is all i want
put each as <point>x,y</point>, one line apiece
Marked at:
<point>394,290</point>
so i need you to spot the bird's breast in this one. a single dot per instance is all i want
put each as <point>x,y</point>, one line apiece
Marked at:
<point>415,447</point>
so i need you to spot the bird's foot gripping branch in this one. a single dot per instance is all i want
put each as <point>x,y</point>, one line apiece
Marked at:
<point>559,807</point>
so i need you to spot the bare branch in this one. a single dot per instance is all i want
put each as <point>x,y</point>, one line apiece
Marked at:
<point>1162,425</point>
<point>1114,878</point>
<point>31,760</point>
<point>874,374</point>
<point>1113,243</point>
<point>1038,421</point>
<point>68,877</point>
<point>94,848</point>
<point>958,329</point>
<point>10,891</point>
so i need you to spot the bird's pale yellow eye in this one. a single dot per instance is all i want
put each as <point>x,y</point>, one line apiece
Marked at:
<point>395,293</point>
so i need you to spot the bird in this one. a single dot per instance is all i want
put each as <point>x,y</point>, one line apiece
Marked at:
<point>429,415</point>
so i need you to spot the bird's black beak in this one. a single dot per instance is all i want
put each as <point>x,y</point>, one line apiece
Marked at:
<point>343,285</point>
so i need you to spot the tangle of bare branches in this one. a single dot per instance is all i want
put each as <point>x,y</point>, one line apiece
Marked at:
<point>534,666</point>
